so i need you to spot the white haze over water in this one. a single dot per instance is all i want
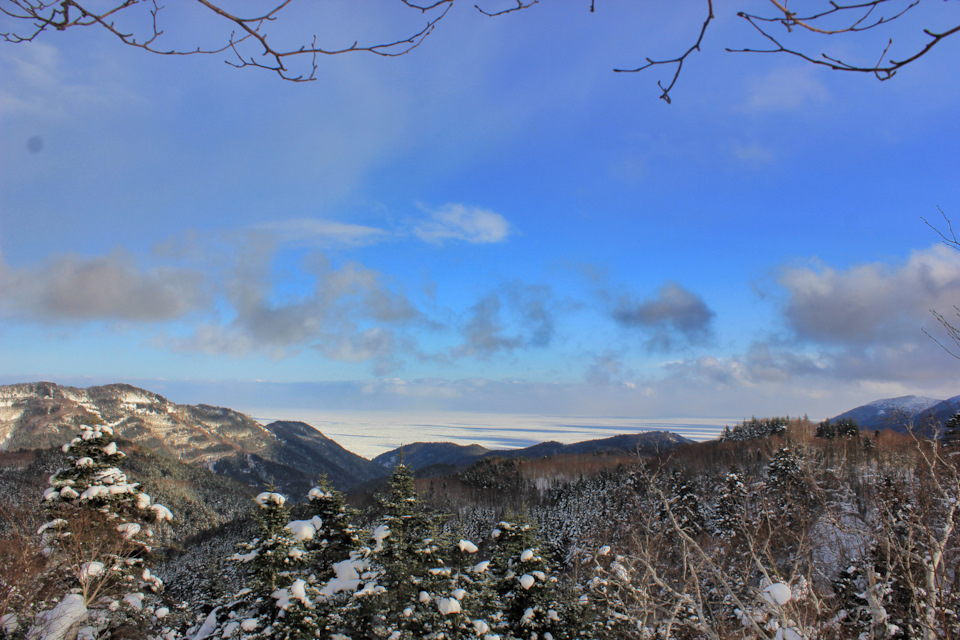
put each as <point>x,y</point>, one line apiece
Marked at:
<point>371,433</point>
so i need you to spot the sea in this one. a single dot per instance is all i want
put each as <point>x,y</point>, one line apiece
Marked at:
<point>371,433</point>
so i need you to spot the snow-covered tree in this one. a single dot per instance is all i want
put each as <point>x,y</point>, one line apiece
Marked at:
<point>683,505</point>
<point>951,432</point>
<point>98,543</point>
<point>731,507</point>
<point>404,571</point>
<point>532,601</point>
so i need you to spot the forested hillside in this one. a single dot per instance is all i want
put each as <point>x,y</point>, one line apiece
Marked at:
<point>775,536</point>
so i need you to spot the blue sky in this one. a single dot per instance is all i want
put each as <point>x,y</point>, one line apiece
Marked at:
<point>493,222</point>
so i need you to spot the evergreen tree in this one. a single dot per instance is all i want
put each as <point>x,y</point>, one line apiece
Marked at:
<point>97,540</point>
<point>842,428</point>
<point>731,507</point>
<point>404,571</point>
<point>951,432</point>
<point>327,537</point>
<point>683,504</point>
<point>533,605</point>
<point>269,561</point>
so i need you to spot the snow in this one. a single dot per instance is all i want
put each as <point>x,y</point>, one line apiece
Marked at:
<point>160,512</point>
<point>297,591</point>
<point>8,623</point>
<point>370,433</point>
<point>58,623</point>
<point>448,606</point>
<point>267,496</point>
<point>161,613</point>
<point>380,534</point>
<point>480,627</point>
<point>527,580</point>
<point>458,593</point>
<point>480,567</point>
<point>90,569</point>
<point>304,529</point>
<point>467,547</point>
<point>209,626</point>
<point>347,577</point>
<point>128,529</point>
<point>527,555</point>
<point>317,493</point>
<point>135,600</point>
<point>777,593</point>
<point>110,449</point>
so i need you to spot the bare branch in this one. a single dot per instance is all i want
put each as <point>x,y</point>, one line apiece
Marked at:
<point>520,7</point>
<point>855,17</point>
<point>677,61</point>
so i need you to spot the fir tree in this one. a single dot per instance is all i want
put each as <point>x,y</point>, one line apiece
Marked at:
<point>98,540</point>
<point>269,561</point>
<point>398,596</point>
<point>533,605</point>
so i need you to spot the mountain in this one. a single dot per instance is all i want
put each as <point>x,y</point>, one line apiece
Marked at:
<point>903,413</point>
<point>290,455</point>
<point>420,455</point>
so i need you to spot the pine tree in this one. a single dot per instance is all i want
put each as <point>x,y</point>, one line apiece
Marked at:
<point>98,540</point>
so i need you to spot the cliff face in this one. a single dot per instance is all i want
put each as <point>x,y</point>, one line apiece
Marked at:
<point>42,414</point>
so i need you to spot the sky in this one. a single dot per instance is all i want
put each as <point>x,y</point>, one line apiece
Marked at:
<point>493,222</point>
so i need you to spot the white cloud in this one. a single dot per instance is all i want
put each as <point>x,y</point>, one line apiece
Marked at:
<point>786,89</point>
<point>753,154</point>
<point>323,233</point>
<point>460,222</point>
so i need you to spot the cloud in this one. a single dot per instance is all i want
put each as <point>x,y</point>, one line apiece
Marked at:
<point>872,304</point>
<point>606,369</point>
<point>674,312</point>
<point>753,154</point>
<point>518,316</point>
<point>323,233</point>
<point>73,288</point>
<point>349,314</point>
<point>786,89</point>
<point>459,222</point>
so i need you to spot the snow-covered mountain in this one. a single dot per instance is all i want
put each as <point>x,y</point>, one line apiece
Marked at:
<point>904,413</point>
<point>292,455</point>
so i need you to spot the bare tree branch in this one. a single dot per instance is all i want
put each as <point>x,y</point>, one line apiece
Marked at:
<point>854,18</point>
<point>677,61</point>
<point>833,20</point>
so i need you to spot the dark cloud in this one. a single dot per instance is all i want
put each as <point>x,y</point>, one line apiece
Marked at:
<point>350,313</point>
<point>674,313</point>
<point>870,305</point>
<point>75,288</point>
<point>518,316</point>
